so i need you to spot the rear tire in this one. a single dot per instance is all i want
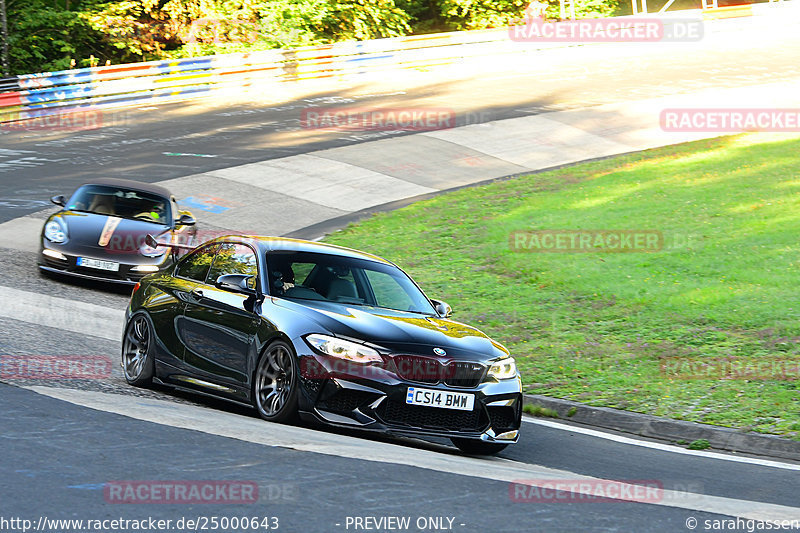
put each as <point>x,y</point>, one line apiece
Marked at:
<point>478,447</point>
<point>138,354</point>
<point>275,384</point>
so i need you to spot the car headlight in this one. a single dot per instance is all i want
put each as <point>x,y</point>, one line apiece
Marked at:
<point>350,351</point>
<point>503,369</point>
<point>145,268</point>
<point>55,231</point>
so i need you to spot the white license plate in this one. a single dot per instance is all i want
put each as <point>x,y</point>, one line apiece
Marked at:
<point>440,398</point>
<point>98,264</point>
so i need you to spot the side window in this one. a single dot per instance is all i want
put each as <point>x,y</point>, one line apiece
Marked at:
<point>234,259</point>
<point>195,265</point>
<point>302,271</point>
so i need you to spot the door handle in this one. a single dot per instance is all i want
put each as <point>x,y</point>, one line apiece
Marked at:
<point>197,293</point>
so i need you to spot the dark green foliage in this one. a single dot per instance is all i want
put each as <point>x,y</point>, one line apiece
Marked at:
<point>47,35</point>
<point>480,14</point>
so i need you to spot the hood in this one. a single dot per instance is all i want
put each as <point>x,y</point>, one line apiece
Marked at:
<point>399,331</point>
<point>121,234</point>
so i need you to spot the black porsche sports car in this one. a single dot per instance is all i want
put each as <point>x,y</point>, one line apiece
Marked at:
<point>99,233</point>
<point>297,328</point>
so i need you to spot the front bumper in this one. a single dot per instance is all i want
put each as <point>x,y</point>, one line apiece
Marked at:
<point>376,401</point>
<point>126,275</point>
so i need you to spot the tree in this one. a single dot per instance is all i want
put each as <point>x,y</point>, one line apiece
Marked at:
<point>480,14</point>
<point>4,36</point>
<point>46,35</point>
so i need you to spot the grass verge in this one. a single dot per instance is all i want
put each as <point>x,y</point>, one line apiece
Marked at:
<point>603,328</point>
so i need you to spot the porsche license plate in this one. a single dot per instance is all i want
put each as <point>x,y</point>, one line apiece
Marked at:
<point>98,264</point>
<point>440,398</point>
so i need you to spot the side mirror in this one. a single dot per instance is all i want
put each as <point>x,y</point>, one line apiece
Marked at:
<point>186,220</point>
<point>235,283</point>
<point>59,200</point>
<point>443,308</point>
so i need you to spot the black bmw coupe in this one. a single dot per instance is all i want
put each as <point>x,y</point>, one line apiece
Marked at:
<point>302,329</point>
<point>99,232</point>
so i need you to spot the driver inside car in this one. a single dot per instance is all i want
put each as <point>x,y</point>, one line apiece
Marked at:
<point>284,275</point>
<point>102,204</point>
<point>156,212</point>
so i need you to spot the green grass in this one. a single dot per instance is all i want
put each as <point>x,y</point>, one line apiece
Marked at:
<point>593,327</point>
<point>538,410</point>
<point>699,444</point>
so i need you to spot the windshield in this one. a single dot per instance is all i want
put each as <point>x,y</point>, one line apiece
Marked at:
<point>121,202</point>
<point>333,278</point>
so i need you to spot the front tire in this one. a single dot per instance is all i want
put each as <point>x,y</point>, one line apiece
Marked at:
<point>138,359</point>
<point>478,447</point>
<point>275,384</point>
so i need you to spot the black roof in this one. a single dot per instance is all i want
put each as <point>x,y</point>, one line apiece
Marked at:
<point>132,184</point>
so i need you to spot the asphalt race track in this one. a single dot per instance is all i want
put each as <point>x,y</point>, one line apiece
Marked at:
<point>155,144</point>
<point>63,442</point>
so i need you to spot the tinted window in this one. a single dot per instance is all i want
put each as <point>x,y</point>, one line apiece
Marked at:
<point>302,271</point>
<point>234,259</point>
<point>196,264</point>
<point>121,202</point>
<point>315,276</point>
<point>388,292</point>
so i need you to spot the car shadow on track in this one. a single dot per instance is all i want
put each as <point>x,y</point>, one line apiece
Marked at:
<point>88,284</point>
<point>435,444</point>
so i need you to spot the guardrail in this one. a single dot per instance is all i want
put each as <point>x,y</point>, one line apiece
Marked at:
<point>8,84</point>
<point>34,95</point>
